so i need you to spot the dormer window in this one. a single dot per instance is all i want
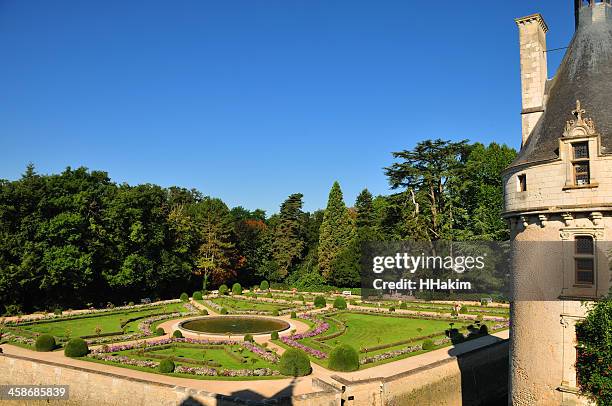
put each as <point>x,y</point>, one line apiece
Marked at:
<point>581,163</point>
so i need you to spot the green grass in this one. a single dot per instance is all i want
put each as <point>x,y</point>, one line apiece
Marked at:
<point>239,304</point>
<point>108,323</point>
<point>441,308</point>
<point>218,355</point>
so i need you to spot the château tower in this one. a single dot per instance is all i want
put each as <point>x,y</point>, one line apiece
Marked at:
<point>558,199</point>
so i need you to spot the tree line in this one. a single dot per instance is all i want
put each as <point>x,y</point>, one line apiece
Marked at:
<point>77,238</point>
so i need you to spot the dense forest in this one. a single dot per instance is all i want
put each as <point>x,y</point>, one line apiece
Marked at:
<point>77,238</point>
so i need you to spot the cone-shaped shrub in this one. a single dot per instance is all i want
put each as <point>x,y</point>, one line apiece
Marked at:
<point>45,342</point>
<point>294,362</point>
<point>77,347</point>
<point>343,358</point>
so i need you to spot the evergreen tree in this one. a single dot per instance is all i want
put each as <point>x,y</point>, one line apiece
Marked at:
<point>337,231</point>
<point>288,245</point>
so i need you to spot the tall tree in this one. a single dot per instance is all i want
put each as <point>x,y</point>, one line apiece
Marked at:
<point>288,245</point>
<point>337,231</point>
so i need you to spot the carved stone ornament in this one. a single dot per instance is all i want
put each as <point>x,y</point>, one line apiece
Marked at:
<point>581,126</point>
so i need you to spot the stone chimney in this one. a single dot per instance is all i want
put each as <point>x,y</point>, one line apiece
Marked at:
<point>534,70</point>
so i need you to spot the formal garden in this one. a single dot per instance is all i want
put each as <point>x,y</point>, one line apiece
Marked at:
<point>253,334</point>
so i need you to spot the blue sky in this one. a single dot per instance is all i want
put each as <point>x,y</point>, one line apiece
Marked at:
<point>251,101</point>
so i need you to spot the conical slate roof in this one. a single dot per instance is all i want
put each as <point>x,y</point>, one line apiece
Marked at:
<point>586,75</point>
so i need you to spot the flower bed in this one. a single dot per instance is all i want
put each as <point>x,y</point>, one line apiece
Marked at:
<point>320,327</point>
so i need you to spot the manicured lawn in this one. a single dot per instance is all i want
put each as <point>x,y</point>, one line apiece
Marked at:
<point>108,323</point>
<point>441,308</point>
<point>218,355</point>
<point>239,304</point>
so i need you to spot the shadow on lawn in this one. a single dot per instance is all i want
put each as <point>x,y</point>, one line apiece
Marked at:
<point>484,371</point>
<point>249,397</point>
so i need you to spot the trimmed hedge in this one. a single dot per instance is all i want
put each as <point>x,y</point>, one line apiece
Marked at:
<point>320,302</point>
<point>223,310</point>
<point>77,347</point>
<point>204,312</point>
<point>184,297</point>
<point>249,338</point>
<point>236,289</point>
<point>294,362</point>
<point>223,290</point>
<point>340,303</point>
<point>274,335</point>
<point>293,315</point>
<point>177,334</point>
<point>197,295</point>
<point>160,331</point>
<point>264,285</point>
<point>344,358</point>
<point>428,345</point>
<point>166,366</point>
<point>45,343</point>
<point>403,306</point>
<point>275,312</point>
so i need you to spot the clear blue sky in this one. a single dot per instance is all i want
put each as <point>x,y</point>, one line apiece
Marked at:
<point>251,101</point>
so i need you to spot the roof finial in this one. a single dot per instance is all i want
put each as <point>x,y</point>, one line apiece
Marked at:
<point>579,111</point>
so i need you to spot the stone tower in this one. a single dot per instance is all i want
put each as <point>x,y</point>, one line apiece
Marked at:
<point>558,202</point>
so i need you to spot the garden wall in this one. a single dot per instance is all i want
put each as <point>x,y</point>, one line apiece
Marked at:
<point>105,389</point>
<point>477,378</point>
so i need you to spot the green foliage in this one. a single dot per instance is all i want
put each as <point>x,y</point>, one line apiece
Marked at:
<point>463,309</point>
<point>177,334</point>
<point>343,358</point>
<point>293,315</point>
<point>264,285</point>
<point>320,302</point>
<point>337,231</point>
<point>275,312</point>
<point>223,310</point>
<point>428,345</point>
<point>274,335</point>
<point>340,303</point>
<point>223,290</point>
<point>160,331</point>
<point>76,347</point>
<point>484,330</point>
<point>204,312</point>
<point>594,335</point>
<point>57,312</point>
<point>184,297</point>
<point>249,338</point>
<point>45,342</point>
<point>294,362</point>
<point>288,246</point>
<point>166,366</point>
<point>236,289</point>
<point>197,295</point>
<point>403,306</point>
<point>391,309</point>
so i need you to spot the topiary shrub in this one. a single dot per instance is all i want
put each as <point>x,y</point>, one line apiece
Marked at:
<point>177,334</point>
<point>294,362</point>
<point>404,306</point>
<point>236,289</point>
<point>223,310</point>
<point>269,295</point>
<point>392,309</point>
<point>131,304</point>
<point>166,366</point>
<point>204,312</point>
<point>197,295</point>
<point>320,302</point>
<point>45,342</point>
<point>184,297</point>
<point>275,312</point>
<point>343,358</point>
<point>249,338</point>
<point>274,335</point>
<point>340,303</point>
<point>264,285</point>
<point>57,312</point>
<point>160,331</point>
<point>223,290</point>
<point>463,309</point>
<point>428,345</point>
<point>77,347</point>
<point>484,330</point>
<point>293,315</point>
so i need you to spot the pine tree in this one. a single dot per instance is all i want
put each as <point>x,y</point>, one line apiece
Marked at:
<point>337,231</point>
<point>288,246</point>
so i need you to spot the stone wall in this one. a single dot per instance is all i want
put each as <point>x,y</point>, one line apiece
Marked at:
<point>476,378</point>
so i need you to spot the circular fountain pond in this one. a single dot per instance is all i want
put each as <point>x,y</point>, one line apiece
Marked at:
<point>223,325</point>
